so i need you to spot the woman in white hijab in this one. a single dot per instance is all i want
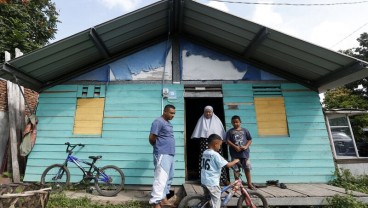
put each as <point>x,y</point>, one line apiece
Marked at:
<point>208,124</point>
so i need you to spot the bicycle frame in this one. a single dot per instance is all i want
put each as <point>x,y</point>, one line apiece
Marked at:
<point>236,186</point>
<point>86,174</point>
<point>77,162</point>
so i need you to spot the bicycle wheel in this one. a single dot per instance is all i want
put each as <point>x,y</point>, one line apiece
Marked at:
<point>109,180</point>
<point>257,198</point>
<point>194,201</point>
<point>56,176</point>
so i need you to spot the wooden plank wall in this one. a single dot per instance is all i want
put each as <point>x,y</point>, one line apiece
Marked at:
<point>302,157</point>
<point>129,112</point>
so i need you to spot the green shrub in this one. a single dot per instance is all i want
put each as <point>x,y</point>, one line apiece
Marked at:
<point>6,175</point>
<point>338,201</point>
<point>346,180</point>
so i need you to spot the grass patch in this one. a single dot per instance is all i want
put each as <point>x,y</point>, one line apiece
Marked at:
<point>58,200</point>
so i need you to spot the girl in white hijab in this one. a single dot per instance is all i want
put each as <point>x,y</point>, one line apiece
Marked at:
<point>209,124</point>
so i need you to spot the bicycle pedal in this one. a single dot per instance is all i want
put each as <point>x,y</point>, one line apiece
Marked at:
<point>90,190</point>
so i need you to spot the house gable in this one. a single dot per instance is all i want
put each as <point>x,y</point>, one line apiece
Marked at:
<point>196,63</point>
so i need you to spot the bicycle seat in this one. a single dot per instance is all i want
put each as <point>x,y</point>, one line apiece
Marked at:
<point>95,157</point>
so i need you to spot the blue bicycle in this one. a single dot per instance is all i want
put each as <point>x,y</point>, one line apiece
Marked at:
<point>108,180</point>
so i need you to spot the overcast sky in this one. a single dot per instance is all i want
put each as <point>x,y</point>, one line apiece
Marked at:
<point>333,27</point>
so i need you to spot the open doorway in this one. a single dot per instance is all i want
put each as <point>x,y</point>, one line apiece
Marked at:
<point>193,111</point>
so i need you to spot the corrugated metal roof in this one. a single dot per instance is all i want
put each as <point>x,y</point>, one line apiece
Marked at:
<point>288,57</point>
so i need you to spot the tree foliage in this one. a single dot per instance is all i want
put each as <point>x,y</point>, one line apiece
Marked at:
<point>353,95</point>
<point>346,98</point>
<point>26,24</point>
<point>360,52</point>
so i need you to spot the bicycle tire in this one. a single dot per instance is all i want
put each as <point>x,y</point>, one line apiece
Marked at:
<point>194,201</point>
<point>60,182</point>
<point>115,183</point>
<point>257,198</point>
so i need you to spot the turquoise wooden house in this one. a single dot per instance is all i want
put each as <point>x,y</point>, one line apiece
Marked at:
<point>104,86</point>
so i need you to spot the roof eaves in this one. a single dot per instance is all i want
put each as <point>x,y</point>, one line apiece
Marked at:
<point>352,72</point>
<point>21,78</point>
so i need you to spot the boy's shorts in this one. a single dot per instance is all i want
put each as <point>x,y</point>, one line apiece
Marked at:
<point>215,193</point>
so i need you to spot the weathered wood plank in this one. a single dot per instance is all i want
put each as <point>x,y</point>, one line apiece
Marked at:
<point>294,195</point>
<point>287,197</point>
<point>291,178</point>
<point>311,190</point>
<point>297,201</point>
<point>15,112</point>
<point>340,190</point>
<point>198,189</point>
<point>189,190</point>
<point>279,192</point>
<point>264,193</point>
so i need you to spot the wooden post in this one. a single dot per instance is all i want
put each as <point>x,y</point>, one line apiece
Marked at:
<point>13,99</point>
<point>16,117</point>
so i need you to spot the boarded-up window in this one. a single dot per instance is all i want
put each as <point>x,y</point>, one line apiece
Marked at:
<point>270,111</point>
<point>90,107</point>
<point>89,115</point>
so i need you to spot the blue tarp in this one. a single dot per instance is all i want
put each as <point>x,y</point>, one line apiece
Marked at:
<point>155,56</point>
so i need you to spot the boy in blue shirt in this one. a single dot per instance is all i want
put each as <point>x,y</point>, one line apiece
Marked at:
<point>212,162</point>
<point>239,140</point>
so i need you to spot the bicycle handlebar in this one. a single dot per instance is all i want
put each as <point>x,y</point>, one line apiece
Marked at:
<point>72,146</point>
<point>237,170</point>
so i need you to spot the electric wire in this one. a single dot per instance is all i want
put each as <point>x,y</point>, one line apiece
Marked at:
<point>349,35</point>
<point>291,4</point>
<point>302,4</point>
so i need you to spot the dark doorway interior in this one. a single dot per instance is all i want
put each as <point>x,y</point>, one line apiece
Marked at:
<point>193,111</point>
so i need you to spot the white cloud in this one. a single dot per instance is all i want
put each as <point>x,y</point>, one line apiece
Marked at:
<point>125,6</point>
<point>265,15</point>
<point>218,5</point>
<point>329,33</point>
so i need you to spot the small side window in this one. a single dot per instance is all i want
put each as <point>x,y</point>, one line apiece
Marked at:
<point>341,135</point>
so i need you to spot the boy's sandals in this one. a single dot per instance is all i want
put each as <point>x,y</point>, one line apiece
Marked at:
<point>166,204</point>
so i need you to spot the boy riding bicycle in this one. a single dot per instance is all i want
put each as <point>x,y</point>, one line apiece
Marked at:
<point>212,162</point>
